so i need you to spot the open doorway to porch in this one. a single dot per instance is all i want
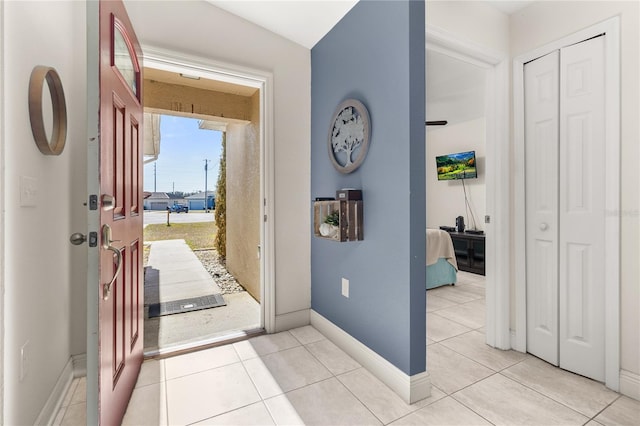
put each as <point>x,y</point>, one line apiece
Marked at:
<point>203,276</point>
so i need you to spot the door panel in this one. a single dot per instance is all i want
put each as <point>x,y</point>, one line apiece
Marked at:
<point>120,308</point>
<point>564,148</point>
<point>541,150</point>
<point>582,197</point>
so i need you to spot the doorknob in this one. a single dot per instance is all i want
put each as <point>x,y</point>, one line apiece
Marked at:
<point>544,226</point>
<point>108,202</point>
<point>106,244</point>
<point>77,238</point>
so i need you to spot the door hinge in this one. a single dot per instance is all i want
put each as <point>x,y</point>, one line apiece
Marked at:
<point>93,202</point>
<point>265,217</point>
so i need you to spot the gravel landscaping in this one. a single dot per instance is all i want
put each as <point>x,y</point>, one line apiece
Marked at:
<point>218,271</point>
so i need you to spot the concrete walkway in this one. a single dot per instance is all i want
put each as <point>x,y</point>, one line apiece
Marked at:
<point>175,273</point>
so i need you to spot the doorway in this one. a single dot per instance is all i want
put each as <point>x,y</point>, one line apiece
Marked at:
<point>456,123</point>
<point>498,219</point>
<point>246,116</point>
<point>199,283</point>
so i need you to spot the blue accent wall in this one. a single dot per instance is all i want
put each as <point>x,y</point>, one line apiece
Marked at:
<point>375,54</point>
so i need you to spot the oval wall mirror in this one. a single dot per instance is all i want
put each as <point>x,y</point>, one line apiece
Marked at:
<point>57,112</point>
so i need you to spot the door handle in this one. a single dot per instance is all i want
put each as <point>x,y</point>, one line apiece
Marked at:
<point>106,245</point>
<point>544,226</point>
<point>108,202</point>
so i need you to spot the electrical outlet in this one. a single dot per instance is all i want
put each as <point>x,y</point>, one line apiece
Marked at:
<point>345,287</point>
<point>24,360</point>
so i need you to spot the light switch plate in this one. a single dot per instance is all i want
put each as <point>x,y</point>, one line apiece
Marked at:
<point>345,287</point>
<point>28,191</point>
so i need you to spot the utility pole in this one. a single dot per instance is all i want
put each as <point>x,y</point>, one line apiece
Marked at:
<point>206,170</point>
<point>154,177</point>
<point>174,188</point>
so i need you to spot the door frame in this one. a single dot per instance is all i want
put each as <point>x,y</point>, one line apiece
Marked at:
<point>2,233</point>
<point>610,27</point>
<point>498,177</point>
<point>172,61</point>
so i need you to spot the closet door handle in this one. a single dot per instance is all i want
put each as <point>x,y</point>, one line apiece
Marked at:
<point>544,226</point>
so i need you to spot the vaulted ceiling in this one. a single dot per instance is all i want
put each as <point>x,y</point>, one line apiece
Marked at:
<point>455,89</point>
<point>307,21</point>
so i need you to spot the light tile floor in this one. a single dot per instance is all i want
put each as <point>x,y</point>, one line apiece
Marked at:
<point>299,377</point>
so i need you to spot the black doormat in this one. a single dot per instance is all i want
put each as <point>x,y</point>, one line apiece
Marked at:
<point>186,305</point>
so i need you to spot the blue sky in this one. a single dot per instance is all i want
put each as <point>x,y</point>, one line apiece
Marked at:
<point>183,149</point>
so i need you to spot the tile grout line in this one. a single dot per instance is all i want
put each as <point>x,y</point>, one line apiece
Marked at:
<point>166,390</point>
<point>607,406</point>
<point>465,405</point>
<point>336,376</point>
<point>544,396</point>
<point>477,362</point>
<point>470,329</point>
<point>356,397</point>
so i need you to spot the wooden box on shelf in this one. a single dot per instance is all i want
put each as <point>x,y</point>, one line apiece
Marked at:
<point>349,220</point>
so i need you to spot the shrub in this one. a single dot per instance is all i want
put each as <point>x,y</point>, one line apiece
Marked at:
<point>221,202</point>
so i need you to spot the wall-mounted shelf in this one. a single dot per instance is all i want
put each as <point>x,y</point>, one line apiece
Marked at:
<point>347,209</point>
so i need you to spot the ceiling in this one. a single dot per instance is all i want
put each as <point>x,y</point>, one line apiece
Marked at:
<point>307,21</point>
<point>509,7</point>
<point>455,89</point>
<point>302,21</point>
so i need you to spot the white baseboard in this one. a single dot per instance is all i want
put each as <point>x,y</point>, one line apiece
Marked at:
<point>54,402</point>
<point>292,320</point>
<point>75,367</point>
<point>79,365</point>
<point>630,384</point>
<point>410,388</point>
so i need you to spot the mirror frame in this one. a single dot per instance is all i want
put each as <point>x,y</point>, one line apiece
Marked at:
<point>55,146</point>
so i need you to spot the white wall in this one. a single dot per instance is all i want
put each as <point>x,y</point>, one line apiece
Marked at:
<point>445,199</point>
<point>42,290</point>
<point>472,21</point>
<point>198,28</point>
<point>544,22</point>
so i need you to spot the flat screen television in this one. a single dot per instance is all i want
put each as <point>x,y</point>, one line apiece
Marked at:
<point>461,165</point>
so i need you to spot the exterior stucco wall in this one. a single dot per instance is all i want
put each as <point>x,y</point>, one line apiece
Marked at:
<point>243,200</point>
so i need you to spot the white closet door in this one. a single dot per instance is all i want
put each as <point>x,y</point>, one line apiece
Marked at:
<point>541,175</point>
<point>582,201</point>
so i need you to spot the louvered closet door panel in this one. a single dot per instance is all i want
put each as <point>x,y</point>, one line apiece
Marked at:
<point>541,150</point>
<point>582,192</point>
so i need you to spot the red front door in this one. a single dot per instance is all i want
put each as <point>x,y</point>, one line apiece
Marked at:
<point>121,287</point>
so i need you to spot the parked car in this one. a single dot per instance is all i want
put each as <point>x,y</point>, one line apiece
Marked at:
<point>178,208</point>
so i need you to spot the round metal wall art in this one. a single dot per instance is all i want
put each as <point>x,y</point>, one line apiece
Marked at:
<point>39,75</point>
<point>349,134</point>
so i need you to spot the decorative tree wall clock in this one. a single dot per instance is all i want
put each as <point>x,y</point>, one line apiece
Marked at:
<point>349,134</point>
